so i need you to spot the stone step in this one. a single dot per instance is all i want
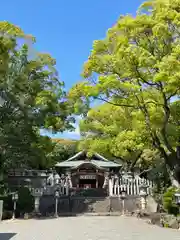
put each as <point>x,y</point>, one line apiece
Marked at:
<point>101,206</point>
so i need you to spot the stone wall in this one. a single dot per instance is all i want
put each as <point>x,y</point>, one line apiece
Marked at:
<point>131,204</point>
<point>80,205</point>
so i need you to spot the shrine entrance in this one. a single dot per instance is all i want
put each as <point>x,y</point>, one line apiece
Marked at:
<point>87,176</point>
<point>87,184</point>
<point>88,171</point>
<point>87,181</point>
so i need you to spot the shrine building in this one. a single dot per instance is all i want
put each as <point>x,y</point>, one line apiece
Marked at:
<point>87,172</point>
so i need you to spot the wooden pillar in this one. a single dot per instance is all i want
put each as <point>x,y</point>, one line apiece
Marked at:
<point>97,183</point>
<point>77,178</point>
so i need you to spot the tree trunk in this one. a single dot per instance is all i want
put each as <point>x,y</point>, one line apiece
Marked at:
<point>173,168</point>
<point>174,180</point>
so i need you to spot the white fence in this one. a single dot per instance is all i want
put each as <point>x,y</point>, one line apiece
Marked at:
<point>131,186</point>
<point>115,185</point>
<point>63,190</point>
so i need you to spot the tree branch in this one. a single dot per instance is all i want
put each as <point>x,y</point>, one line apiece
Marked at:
<point>145,171</point>
<point>151,102</point>
<point>165,121</point>
<point>173,94</point>
<point>116,104</point>
<point>135,161</point>
<point>144,81</point>
<point>155,140</point>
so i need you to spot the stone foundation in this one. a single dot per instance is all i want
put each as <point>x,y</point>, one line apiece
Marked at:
<point>80,205</point>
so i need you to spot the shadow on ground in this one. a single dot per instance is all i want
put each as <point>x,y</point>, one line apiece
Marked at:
<point>7,236</point>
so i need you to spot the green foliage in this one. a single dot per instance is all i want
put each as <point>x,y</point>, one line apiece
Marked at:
<point>7,206</point>
<point>31,98</point>
<point>7,202</point>
<point>63,150</point>
<point>7,215</point>
<point>25,202</point>
<point>117,132</point>
<point>136,67</point>
<point>168,201</point>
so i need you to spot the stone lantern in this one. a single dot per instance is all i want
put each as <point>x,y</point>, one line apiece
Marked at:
<point>177,198</point>
<point>28,183</point>
<point>123,197</point>
<point>57,195</point>
<point>15,198</point>
<point>143,194</point>
<point>37,194</point>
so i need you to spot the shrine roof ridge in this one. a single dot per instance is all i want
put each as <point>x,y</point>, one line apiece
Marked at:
<point>84,152</point>
<point>97,163</point>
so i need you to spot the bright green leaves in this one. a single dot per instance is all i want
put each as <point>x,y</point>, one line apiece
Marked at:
<point>127,142</point>
<point>63,149</point>
<point>99,145</point>
<point>113,131</point>
<point>137,67</point>
<point>11,30</point>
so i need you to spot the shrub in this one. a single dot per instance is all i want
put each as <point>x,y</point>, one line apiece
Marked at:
<point>7,206</point>
<point>7,215</point>
<point>7,202</point>
<point>169,201</point>
<point>25,202</point>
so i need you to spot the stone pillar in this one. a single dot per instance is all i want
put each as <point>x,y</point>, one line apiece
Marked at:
<point>67,185</point>
<point>69,179</point>
<point>56,178</point>
<point>143,203</point>
<point>36,203</point>
<point>1,209</point>
<point>110,187</point>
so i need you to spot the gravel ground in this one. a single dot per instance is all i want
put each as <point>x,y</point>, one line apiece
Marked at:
<point>85,228</point>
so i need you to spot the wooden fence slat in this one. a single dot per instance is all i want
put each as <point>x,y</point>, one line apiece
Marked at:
<point>131,186</point>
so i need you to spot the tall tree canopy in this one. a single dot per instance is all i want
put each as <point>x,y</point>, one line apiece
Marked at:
<point>32,98</point>
<point>137,67</point>
<point>115,132</point>
<point>63,149</point>
<point>120,133</point>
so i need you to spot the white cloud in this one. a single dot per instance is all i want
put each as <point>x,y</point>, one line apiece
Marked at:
<point>67,134</point>
<point>73,134</point>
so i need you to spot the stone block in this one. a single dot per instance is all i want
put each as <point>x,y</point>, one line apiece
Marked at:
<point>155,218</point>
<point>170,221</point>
<point>151,205</point>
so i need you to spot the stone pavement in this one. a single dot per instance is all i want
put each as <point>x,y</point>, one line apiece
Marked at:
<point>85,228</point>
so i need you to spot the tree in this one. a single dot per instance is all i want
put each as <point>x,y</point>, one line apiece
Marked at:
<point>117,133</point>
<point>63,149</point>
<point>137,67</point>
<point>32,98</point>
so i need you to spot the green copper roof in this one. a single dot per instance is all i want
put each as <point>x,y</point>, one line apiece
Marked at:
<point>81,158</point>
<point>97,163</point>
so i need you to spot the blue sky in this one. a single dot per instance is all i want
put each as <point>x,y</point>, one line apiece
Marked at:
<point>66,29</point>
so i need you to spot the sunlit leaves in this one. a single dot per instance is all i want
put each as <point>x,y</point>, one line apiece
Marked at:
<point>137,66</point>
<point>113,131</point>
<point>33,99</point>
